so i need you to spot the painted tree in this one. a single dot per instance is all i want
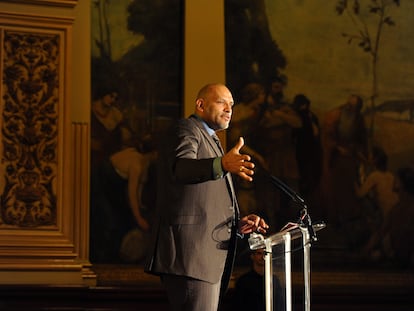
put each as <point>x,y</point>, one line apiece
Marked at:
<point>368,29</point>
<point>104,71</point>
<point>159,57</point>
<point>104,41</point>
<point>252,54</point>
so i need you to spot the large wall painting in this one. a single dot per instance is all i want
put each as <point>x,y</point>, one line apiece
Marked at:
<point>325,100</point>
<point>136,93</point>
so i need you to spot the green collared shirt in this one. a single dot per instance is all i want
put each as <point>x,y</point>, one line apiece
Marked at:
<point>218,171</point>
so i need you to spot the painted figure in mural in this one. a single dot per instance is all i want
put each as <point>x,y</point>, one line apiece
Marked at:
<point>118,172</point>
<point>274,139</point>
<point>401,233</point>
<point>132,165</point>
<point>244,120</point>
<point>245,117</point>
<point>197,220</point>
<point>381,187</point>
<point>249,292</point>
<point>106,124</point>
<point>344,140</point>
<point>307,140</point>
<point>117,207</point>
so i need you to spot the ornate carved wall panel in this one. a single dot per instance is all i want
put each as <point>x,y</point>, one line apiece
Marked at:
<point>30,129</point>
<point>39,226</point>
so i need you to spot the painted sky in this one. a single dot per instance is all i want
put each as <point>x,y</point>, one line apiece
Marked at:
<point>325,67</point>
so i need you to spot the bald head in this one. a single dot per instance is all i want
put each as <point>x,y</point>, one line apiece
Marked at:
<point>207,89</point>
<point>214,105</point>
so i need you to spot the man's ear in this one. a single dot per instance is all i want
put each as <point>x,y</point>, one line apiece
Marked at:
<point>200,104</point>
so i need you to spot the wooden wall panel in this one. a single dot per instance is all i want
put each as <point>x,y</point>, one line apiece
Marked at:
<point>44,158</point>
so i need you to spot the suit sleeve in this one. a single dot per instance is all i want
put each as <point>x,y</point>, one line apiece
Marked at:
<point>188,167</point>
<point>192,171</point>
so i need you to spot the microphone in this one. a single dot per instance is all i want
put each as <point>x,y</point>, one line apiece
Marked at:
<point>304,219</point>
<point>287,190</point>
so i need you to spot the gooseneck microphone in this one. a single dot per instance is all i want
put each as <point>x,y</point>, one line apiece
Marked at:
<point>304,218</point>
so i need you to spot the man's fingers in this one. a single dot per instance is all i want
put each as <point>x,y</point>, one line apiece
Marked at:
<point>239,144</point>
<point>245,173</point>
<point>246,177</point>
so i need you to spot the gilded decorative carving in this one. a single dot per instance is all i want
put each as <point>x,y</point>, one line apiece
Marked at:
<point>29,129</point>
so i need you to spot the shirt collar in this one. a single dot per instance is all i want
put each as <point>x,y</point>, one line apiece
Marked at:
<point>209,130</point>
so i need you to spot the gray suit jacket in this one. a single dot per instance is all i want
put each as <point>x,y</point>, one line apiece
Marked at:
<point>195,226</point>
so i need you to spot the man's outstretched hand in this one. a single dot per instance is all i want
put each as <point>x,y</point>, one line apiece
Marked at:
<point>237,163</point>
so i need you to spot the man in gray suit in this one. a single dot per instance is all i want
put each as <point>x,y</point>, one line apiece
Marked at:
<point>197,219</point>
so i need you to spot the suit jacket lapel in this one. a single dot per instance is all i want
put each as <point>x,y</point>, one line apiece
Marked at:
<point>219,152</point>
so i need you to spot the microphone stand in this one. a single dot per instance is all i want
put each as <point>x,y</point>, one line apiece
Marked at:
<point>309,236</point>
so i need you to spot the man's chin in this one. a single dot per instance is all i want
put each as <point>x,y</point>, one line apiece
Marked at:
<point>223,126</point>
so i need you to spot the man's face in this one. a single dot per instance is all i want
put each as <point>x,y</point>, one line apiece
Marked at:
<point>215,108</point>
<point>258,257</point>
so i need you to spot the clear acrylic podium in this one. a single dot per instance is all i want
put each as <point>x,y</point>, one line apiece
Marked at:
<point>283,240</point>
